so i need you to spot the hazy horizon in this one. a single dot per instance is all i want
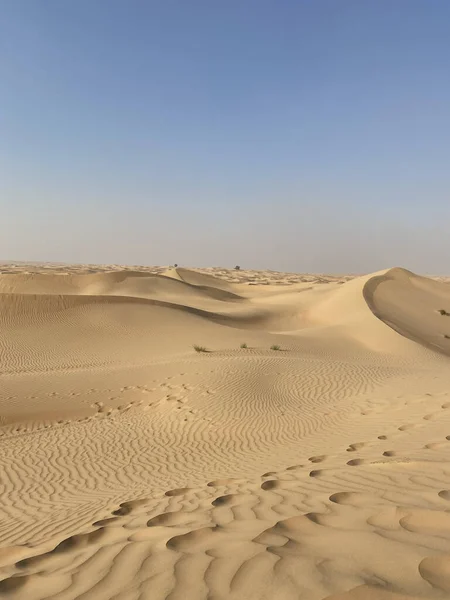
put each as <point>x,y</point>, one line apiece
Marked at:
<point>291,136</point>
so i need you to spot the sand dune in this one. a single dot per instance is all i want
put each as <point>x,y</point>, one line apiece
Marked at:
<point>413,306</point>
<point>133,466</point>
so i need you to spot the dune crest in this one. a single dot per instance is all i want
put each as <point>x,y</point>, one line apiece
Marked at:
<point>413,306</point>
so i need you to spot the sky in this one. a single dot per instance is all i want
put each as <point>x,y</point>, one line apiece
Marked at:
<point>293,135</point>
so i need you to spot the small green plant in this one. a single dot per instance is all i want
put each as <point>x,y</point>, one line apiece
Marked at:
<point>443,312</point>
<point>244,345</point>
<point>275,347</point>
<point>199,348</point>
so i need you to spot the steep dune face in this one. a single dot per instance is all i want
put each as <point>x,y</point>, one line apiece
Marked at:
<point>312,462</point>
<point>416,307</point>
<point>198,279</point>
<point>347,312</point>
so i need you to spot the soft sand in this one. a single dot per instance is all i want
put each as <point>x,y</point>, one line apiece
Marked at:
<point>134,467</point>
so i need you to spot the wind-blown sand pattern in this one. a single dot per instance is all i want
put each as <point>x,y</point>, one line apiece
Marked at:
<point>133,467</point>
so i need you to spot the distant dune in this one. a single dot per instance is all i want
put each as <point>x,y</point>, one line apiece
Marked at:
<point>301,451</point>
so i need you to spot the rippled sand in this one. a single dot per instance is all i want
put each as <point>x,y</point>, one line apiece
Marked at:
<point>312,463</point>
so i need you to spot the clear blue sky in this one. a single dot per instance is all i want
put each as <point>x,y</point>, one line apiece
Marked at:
<point>284,134</point>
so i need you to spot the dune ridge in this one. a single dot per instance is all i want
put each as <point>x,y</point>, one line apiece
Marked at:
<point>410,305</point>
<point>134,467</point>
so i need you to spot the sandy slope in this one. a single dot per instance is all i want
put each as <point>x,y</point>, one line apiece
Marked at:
<point>134,467</point>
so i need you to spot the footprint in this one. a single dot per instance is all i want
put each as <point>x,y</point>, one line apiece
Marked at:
<point>431,417</point>
<point>232,500</point>
<point>179,492</point>
<point>436,570</point>
<point>355,462</point>
<point>125,508</point>
<point>354,499</point>
<point>436,446</point>
<point>167,519</point>
<point>222,482</point>
<point>317,459</point>
<point>194,541</point>
<point>427,522</point>
<point>356,446</point>
<point>407,427</point>
<point>224,500</point>
<point>107,522</point>
<point>272,484</point>
<point>14,583</point>
<point>316,473</point>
